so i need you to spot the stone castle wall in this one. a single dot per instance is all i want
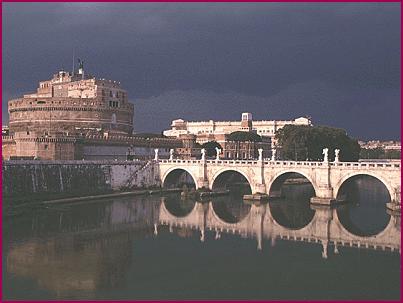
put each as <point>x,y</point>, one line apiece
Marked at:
<point>68,114</point>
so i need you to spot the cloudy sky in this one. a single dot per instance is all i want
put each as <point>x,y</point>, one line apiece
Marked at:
<point>338,63</point>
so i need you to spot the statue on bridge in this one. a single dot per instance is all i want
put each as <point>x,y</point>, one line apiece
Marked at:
<point>156,154</point>
<point>203,154</point>
<point>260,151</point>
<point>171,154</point>
<point>218,151</point>
<point>273,154</point>
<point>336,155</point>
<point>325,152</point>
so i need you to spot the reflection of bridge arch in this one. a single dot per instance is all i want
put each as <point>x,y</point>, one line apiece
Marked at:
<point>354,174</point>
<point>239,171</point>
<point>275,228</point>
<point>193,219</point>
<point>217,218</point>
<point>284,173</point>
<point>164,208</point>
<point>171,170</point>
<point>325,228</point>
<point>349,234</point>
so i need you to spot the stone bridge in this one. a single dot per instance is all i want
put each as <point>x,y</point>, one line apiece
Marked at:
<point>266,177</point>
<point>324,229</point>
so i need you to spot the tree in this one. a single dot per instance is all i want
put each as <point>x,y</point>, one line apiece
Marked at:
<point>210,148</point>
<point>371,153</point>
<point>379,153</point>
<point>240,136</point>
<point>303,142</point>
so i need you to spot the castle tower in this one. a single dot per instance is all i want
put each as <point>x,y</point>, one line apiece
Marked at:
<point>246,122</point>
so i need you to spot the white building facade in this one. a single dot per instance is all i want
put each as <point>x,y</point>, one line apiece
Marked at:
<point>215,130</point>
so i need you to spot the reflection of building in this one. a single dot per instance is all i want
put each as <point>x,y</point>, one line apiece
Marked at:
<point>215,130</point>
<point>75,116</point>
<point>59,266</point>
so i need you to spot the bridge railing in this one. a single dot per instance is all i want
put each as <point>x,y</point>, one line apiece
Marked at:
<point>366,164</point>
<point>279,163</point>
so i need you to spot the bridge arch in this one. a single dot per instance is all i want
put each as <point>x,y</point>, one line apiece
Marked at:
<point>221,171</point>
<point>284,173</point>
<point>342,180</point>
<point>171,170</point>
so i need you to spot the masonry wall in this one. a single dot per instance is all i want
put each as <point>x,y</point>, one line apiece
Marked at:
<point>25,181</point>
<point>8,148</point>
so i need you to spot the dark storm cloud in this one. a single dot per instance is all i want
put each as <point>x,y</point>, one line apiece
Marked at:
<point>339,63</point>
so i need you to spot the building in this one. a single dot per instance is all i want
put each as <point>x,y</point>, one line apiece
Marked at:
<point>386,145</point>
<point>216,130</point>
<point>73,103</point>
<point>219,131</point>
<point>245,150</point>
<point>76,116</point>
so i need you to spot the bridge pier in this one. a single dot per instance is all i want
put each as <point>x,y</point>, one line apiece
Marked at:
<point>202,184</point>
<point>324,190</point>
<point>324,196</point>
<point>260,189</point>
<point>395,204</point>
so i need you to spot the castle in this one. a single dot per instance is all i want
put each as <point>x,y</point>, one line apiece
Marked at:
<point>76,116</point>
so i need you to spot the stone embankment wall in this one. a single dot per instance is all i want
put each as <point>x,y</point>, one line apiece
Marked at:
<point>23,180</point>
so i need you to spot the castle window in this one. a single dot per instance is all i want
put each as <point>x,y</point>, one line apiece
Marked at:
<point>46,146</point>
<point>110,93</point>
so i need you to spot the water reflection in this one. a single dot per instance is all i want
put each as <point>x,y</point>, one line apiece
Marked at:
<point>364,212</point>
<point>230,209</point>
<point>81,251</point>
<point>179,207</point>
<point>294,210</point>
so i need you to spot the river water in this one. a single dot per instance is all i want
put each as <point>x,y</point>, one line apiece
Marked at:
<point>223,248</point>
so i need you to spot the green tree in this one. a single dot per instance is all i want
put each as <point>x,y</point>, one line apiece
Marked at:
<point>379,153</point>
<point>392,154</point>
<point>303,142</point>
<point>240,136</point>
<point>210,148</point>
<point>371,153</point>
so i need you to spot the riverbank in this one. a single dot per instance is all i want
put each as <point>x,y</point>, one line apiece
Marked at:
<point>11,209</point>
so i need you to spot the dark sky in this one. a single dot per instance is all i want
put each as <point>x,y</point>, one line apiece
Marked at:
<point>338,63</point>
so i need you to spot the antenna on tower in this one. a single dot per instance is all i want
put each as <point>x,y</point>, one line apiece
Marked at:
<point>73,62</point>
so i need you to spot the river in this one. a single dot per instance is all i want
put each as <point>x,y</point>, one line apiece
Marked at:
<point>152,247</point>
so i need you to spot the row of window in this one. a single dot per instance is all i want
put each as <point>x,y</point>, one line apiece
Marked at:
<point>113,103</point>
<point>114,95</point>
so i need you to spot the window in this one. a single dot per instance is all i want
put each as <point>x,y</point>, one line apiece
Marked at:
<point>110,93</point>
<point>46,146</point>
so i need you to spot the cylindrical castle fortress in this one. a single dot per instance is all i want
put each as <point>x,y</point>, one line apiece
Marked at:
<point>73,103</point>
